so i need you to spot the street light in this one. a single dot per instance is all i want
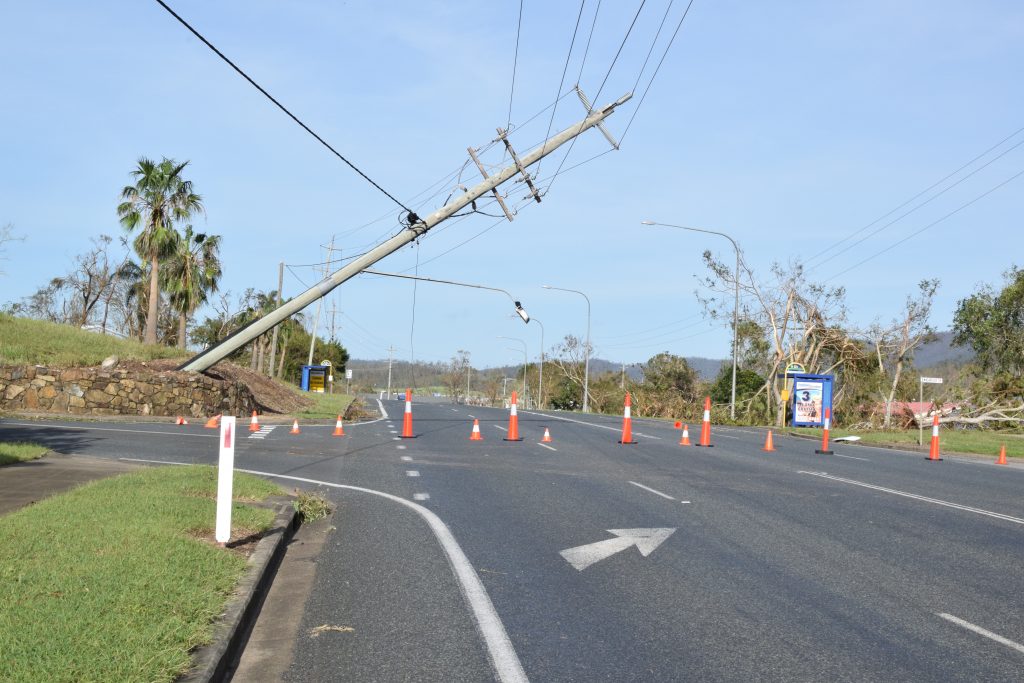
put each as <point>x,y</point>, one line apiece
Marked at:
<point>525,359</point>
<point>540,390</point>
<point>736,305</point>
<point>586,349</point>
<point>520,311</point>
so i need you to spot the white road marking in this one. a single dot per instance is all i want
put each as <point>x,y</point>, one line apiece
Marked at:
<point>406,458</point>
<point>412,473</point>
<point>500,427</point>
<point>161,462</point>
<point>263,432</point>
<point>936,501</point>
<point>473,417</point>
<point>453,410</point>
<point>401,448</point>
<point>685,502</point>
<point>850,457</point>
<point>645,540</point>
<point>44,425</point>
<point>587,424</point>
<point>396,438</point>
<point>544,445</point>
<point>981,631</point>
<point>421,496</point>
<point>502,654</point>
<point>654,491</point>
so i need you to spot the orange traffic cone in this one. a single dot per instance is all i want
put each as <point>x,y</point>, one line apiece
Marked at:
<point>339,430</point>
<point>627,422</point>
<point>547,436</point>
<point>685,440</point>
<point>678,424</point>
<point>933,451</point>
<point>213,422</point>
<point>295,428</point>
<point>254,423</point>
<point>513,421</point>
<point>476,435</point>
<point>1002,455</point>
<point>705,427</point>
<point>824,450</point>
<point>407,419</point>
<point>181,421</point>
<point>768,445</point>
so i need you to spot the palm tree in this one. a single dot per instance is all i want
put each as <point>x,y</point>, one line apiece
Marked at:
<point>191,274</point>
<point>159,198</point>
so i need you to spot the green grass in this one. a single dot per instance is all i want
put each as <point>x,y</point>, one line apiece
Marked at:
<point>953,441</point>
<point>11,452</point>
<point>326,406</point>
<point>113,581</point>
<point>35,342</point>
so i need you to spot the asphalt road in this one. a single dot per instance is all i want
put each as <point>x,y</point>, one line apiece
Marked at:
<point>762,566</point>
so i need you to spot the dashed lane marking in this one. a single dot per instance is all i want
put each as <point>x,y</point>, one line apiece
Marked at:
<point>981,631</point>
<point>654,491</point>
<point>850,457</point>
<point>406,458</point>
<point>421,496</point>
<point>544,445</point>
<point>587,424</point>
<point>412,473</point>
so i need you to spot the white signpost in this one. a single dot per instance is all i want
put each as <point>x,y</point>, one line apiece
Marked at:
<point>225,477</point>
<point>920,398</point>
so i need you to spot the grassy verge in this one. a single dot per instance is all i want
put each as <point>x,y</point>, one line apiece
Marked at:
<point>116,580</point>
<point>954,441</point>
<point>27,342</point>
<point>11,452</point>
<point>327,406</point>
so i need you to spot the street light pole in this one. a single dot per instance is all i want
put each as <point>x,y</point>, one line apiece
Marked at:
<point>540,380</point>
<point>526,360</point>
<point>735,307</point>
<point>586,349</point>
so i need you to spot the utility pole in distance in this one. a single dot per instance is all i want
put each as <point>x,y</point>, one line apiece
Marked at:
<point>391,357</point>
<point>273,337</point>
<point>417,227</point>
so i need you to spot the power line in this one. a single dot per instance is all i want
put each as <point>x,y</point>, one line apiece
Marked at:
<point>586,50</point>
<point>279,105</point>
<point>561,82</point>
<point>515,64</point>
<point>654,42</point>
<point>930,225</point>
<point>924,191</point>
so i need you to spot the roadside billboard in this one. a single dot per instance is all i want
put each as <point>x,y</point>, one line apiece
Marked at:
<point>811,395</point>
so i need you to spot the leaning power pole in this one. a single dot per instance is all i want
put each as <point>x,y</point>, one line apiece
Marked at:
<point>416,228</point>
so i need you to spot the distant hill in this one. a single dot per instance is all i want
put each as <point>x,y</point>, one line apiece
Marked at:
<point>942,351</point>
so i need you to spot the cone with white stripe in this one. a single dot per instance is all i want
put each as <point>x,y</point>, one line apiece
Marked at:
<point>705,427</point>
<point>627,422</point>
<point>476,435</point>
<point>547,436</point>
<point>933,451</point>
<point>339,429</point>
<point>513,421</point>
<point>407,418</point>
<point>295,428</point>
<point>254,423</point>
<point>685,440</point>
<point>824,450</point>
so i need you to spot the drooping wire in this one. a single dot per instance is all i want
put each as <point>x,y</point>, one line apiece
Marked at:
<point>561,83</point>
<point>656,69</point>
<point>515,64</point>
<point>929,226</point>
<point>279,105</point>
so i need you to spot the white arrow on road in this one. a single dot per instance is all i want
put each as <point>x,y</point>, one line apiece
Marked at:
<point>645,540</point>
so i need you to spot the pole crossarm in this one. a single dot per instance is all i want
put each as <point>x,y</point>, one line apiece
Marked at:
<point>417,228</point>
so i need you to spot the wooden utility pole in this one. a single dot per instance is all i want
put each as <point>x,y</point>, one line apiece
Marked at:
<point>416,228</point>
<point>273,337</point>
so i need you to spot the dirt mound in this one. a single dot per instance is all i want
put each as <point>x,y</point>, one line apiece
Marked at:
<point>272,396</point>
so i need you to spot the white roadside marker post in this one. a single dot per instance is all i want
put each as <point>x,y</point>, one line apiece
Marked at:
<point>225,476</point>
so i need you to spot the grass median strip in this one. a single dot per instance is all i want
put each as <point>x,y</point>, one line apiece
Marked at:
<point>953,441</point>
<point>15,451</point>
<point>117,580</point>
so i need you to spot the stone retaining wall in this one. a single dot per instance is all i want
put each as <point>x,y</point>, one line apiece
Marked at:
<point>96,391</point>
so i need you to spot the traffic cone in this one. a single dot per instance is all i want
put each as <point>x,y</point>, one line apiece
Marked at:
<point>295,428</point>
<point>476,435</point>
<point>513,421</point>
<point>627,422</point>
<point>1002,455</point>
<point>254,423</point>
<point>768,445</point>
<point>339,430</point>
<point>407,419</point>
<point>824,434</point>
<point>181,421</point>
<point>685,440</point>
<point>213,422</point>
<point>678,424</point>
<point>933,451</point>
<point>705,428</point>
<point>547,436</point>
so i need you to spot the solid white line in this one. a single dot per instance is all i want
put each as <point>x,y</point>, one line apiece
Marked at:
<point>499,648</point>
<point>421,496</point>
<point>162,462</point>
<point>544,445</point>
<point>654,491</point>
<point>981,631</point>
<point>105,429</point>
<point>412,473</point>
<point>851,457</point>
<point>936,501</point>
<point>383,412</point>
<point>587,424</point>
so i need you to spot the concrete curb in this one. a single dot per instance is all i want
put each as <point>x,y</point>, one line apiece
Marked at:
<point>212,662</point>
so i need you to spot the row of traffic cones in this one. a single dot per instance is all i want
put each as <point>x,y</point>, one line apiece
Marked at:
<point>254,424</point>
<point>476,435</point>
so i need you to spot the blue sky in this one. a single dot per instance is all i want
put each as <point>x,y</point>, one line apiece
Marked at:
<point>787,125</point>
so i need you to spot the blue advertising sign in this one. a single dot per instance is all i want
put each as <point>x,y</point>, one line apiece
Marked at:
<point>812,394</point>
